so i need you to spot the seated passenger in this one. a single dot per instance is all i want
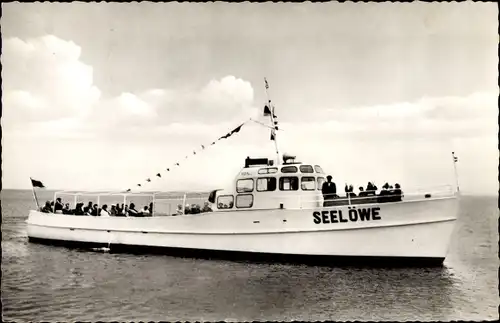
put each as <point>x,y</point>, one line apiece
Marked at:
<point>79,209</point>
<point>52,206</point>
<point>95,210</point>
<point>151,208</point>
<point>132,211</point>
<point>104,211</point>
<point>145,211</point>
<point>88,209</point>
<point>179,210</point>
<point>206,208</point>
<point>113,212</point>
<point>47,208</point>
<point>398,193</point>
<point>187,209</point>
<point>58,206</point>
<point>66,209</point>
<point>384,193</point>
<point>125,211</point>
<point>195,209</point>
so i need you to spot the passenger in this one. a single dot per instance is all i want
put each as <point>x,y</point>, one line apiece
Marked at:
<point>398,193</point>
<point>104,211</point>
<point>329,190</point>
<point>59,206</point>
<point>95,210</point>
<point>206,208</point>
<point>79,209</point>
<point>151,208</point>
<point>145,211</point>
<point>113,210</point>
<point>47,208</point>
<point>187,209</point>
<point>132,211</point>
<point>195,209</point>
<point>52,206</point>
<point>125,211</point>
<point>383,196</point>
<point>179,210</point>
<point>66,209</point>
<point>88,209</point>
<point>362,193</point>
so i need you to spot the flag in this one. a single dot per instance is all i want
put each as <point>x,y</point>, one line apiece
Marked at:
<point>455,159</point>
<point>159,175</point>
<point>273,134</point>
<point>148,180</point>
<point>237,129</point>
<point>267,111</point>
<point>267,84</point>
<point>36,183</point>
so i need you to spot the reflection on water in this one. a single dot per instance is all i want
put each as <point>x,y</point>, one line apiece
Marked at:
<point>53,283</point>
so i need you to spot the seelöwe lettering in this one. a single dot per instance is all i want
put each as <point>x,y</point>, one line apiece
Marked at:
<point>353,215</point>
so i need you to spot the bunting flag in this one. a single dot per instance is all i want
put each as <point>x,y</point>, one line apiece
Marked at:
<point>267,111</point>
<point>273,134</point>
<point>159,175</point>
<point>455,159</point>
<point>128,190</point>
<point>138,184</point>
<point>202,147</point>
<point>177,164</point>
<point>267,85</point>
<point>148,180</point>
<point>213,143</point>
<point>168,169</point>
<point>194,152</point>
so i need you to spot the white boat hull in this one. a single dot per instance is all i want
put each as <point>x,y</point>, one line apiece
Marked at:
<point>415,229</point>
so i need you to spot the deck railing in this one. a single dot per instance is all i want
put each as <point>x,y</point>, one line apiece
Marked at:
<point>167,203</point>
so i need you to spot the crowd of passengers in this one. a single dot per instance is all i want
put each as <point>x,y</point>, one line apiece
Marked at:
<point>388,193</point>
<point>124,210</point>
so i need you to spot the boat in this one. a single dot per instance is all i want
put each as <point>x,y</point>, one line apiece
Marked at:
<point>274,210</point>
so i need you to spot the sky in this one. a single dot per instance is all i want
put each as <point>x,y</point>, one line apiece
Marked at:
<point>103,96</point>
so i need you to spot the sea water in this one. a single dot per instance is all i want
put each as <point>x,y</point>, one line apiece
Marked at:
<point>55,283</point>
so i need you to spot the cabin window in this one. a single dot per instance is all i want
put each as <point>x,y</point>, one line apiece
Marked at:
<point>308,183</point>
<point>289,183</point>
<point>321,180</point>
<point>289,169</point>
<point>225,202</point>
<point>318,169</point>
<point>244,185</point>
<point>244,201</point>
<point>266,184</point>
<point>272,170</point>
<point>306,169</point>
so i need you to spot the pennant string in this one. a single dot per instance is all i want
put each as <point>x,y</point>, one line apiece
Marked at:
<point>229,134</point>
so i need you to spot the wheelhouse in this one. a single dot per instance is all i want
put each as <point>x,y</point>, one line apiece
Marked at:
<point>263,185</point>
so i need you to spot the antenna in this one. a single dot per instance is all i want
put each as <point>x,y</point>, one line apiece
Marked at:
<point>274,122</point>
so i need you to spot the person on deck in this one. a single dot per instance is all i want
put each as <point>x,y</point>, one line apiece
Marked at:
<point>329,190</point>
<point>151,208</point>
<point>179,210</point>
<point>79,209</point>
<point>66,209</point>
<point>95,210</point>
<point>47,208</point>
<point>206,208</point>
<point>104,211</point>
<point>113,212</point>
<point>398,193</point>
<point>132,211</point>
<point>59,206</point>
<point>125,211</point>
<point>145,211</point>
<point>88,209</point>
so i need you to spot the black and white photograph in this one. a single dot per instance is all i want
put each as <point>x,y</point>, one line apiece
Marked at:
<point>252,161</point>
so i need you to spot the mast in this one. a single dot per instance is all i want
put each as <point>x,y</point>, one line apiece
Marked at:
<point>455,160</point>
<point>274,123</point>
